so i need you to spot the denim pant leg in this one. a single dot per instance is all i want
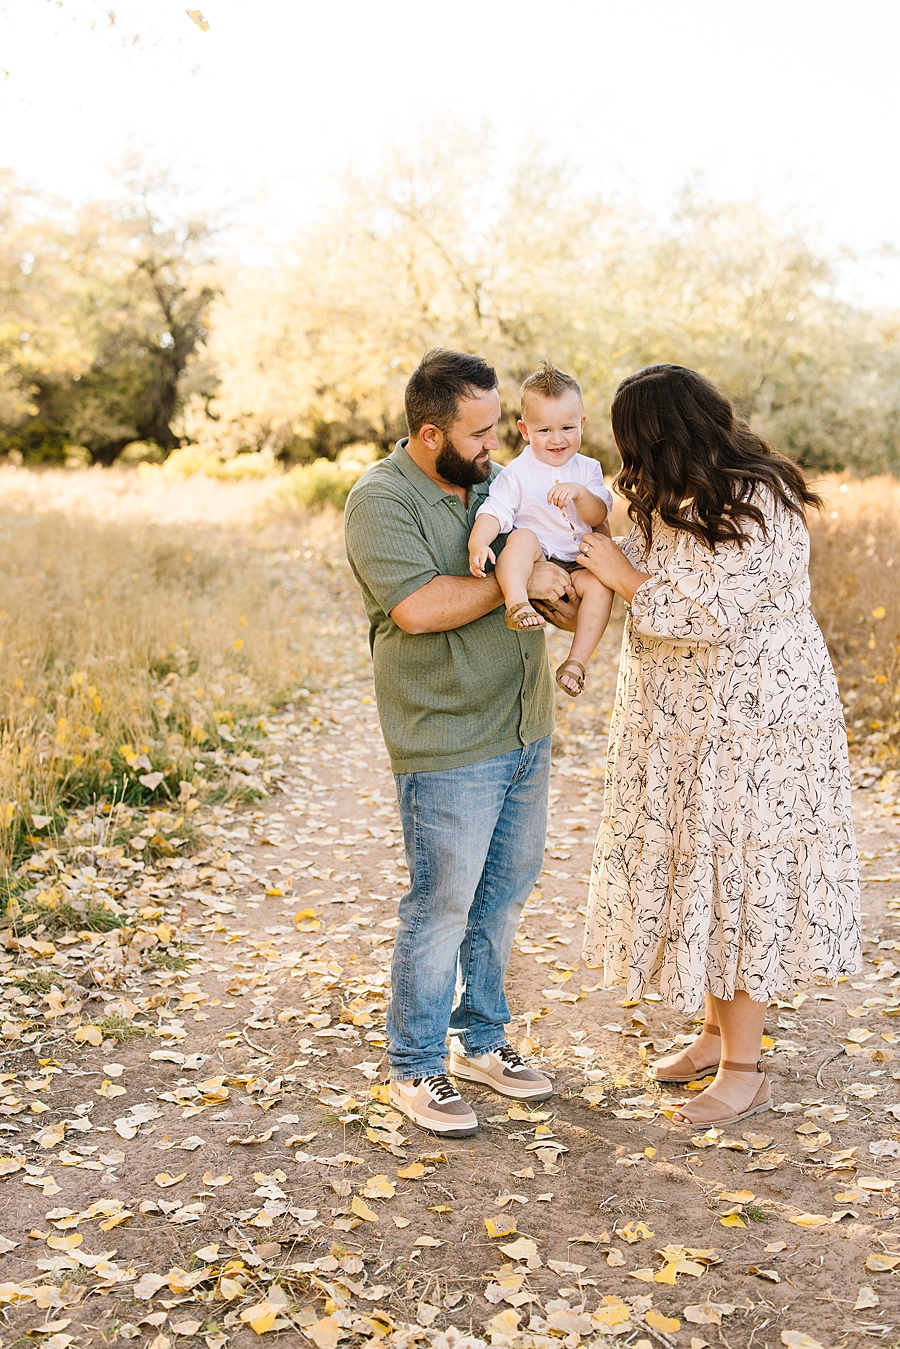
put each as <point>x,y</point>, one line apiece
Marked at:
<point>513,864</point>
<point>450,824</point>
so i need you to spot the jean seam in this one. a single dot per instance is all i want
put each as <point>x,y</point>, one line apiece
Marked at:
<point>474,924</point>
<point>521,767</point>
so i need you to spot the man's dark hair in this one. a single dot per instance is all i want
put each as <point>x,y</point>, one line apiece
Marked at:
<point>438,383</point>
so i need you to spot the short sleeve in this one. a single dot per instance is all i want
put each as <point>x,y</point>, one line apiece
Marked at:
<point>594,483</point>
<point>389,555</point>
<point>503,502</point>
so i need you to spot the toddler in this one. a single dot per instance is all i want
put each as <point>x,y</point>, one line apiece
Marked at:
<point>546,501</point>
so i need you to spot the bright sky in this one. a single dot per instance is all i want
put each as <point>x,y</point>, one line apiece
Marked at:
<point>796,101</point>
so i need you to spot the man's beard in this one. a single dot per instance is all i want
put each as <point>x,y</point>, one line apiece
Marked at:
<point>462,472</point>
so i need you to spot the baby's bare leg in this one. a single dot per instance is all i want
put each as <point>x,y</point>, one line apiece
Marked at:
<point>520,552</point>
<point>593,616</point>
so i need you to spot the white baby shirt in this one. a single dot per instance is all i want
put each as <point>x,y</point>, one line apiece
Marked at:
<point>518,499</point>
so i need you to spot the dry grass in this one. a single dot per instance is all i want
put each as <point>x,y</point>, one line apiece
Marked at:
<point>153,622</point>
<point>855,572</point>
<point>132,648</point>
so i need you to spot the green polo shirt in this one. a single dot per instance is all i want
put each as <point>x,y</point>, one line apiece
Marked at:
<point>445,699</point>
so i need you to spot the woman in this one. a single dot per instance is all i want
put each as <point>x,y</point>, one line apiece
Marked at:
<point>726,862</point>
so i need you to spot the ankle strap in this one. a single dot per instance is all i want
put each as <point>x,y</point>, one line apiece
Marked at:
<point>709,1028</point>
<point>731,1067</point>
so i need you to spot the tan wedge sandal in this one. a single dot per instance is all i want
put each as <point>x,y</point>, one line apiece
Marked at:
<point>579,678</point>
<point>709,1111</point>
<point>514,616</point>
<point>695,1072</point>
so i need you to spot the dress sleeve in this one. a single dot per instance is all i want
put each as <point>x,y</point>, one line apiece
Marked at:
<point>387,550</point>
<point>503,501</point>
<point>708,597</point>
<point>594,483</point>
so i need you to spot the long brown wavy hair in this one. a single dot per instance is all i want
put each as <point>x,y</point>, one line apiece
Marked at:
<point>687,457</point>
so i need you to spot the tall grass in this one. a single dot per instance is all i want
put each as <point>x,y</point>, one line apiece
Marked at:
<point>146,628</point>
<point>855,573</point>
<point>131,649</point>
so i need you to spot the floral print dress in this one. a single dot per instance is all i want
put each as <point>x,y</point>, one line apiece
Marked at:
<point>726,858</point>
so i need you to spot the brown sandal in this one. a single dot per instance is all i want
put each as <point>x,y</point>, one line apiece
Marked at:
<point>695,1073</point>
<point>514,615</point>
<point>761,1101</point>
<point>579,679</point>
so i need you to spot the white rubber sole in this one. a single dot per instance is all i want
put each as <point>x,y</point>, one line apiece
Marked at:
<point>432,1126</point>
<point>469,1073</point>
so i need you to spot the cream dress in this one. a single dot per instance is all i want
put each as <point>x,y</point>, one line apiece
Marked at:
<point>726,858</point>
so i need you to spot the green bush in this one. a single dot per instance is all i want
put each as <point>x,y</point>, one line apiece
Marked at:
<point>311,487</point>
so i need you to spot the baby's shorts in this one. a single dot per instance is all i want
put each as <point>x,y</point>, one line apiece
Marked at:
<point>566,566</point>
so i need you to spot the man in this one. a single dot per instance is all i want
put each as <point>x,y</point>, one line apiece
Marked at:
<point>466,709</point>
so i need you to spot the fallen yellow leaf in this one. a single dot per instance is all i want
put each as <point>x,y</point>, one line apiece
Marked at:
<point>212,1181</point>
<point>91,1035</point>
<point>659,1321</point>
<point>415,1171</point>
<point>378,1187</point>
<point>879,1264</point>
<point>164,1180</point>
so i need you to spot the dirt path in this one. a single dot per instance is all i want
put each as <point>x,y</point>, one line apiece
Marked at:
<point>233,1109</point>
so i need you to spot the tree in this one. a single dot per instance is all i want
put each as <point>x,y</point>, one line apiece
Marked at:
<point>117,304</point>
<point>435,247</point>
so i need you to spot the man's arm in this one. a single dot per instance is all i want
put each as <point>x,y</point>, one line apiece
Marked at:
<point>448,602</point>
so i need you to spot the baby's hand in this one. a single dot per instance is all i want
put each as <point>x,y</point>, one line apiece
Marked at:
<point>477,558</point>
<point>563,493</point>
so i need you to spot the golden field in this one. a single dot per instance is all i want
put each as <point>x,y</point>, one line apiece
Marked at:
<point>146,629</point>
<point>148,623</point>
<point>855,573</point>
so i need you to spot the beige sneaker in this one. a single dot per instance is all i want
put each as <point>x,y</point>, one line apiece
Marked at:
<point>506,1072</point>
<point>434,1104</point>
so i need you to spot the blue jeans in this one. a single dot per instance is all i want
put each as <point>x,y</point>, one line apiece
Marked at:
<point>474,847</point>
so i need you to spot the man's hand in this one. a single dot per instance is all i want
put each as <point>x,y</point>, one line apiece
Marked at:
<point>563,493</point>
<point>553,595</point>
<point>477,559</point>
<point>562,613</point>
<point>549,582</point>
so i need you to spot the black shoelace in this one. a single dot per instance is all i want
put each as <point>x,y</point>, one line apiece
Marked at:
<point>441,1087</point>
<point>508,1055</point>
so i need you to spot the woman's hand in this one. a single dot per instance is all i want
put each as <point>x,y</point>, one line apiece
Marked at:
<point>601,557</point>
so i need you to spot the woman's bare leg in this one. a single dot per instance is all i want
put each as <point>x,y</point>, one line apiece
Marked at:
<point>741,1022</point>
<point>703,1052</point>
<point>590,625</point>
<point>513,568</point>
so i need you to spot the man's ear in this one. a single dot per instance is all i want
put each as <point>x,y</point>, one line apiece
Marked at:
<point>523,428</point>
<point>431,437</point>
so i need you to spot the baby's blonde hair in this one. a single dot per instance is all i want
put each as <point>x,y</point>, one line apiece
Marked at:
<point>548,381</point>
